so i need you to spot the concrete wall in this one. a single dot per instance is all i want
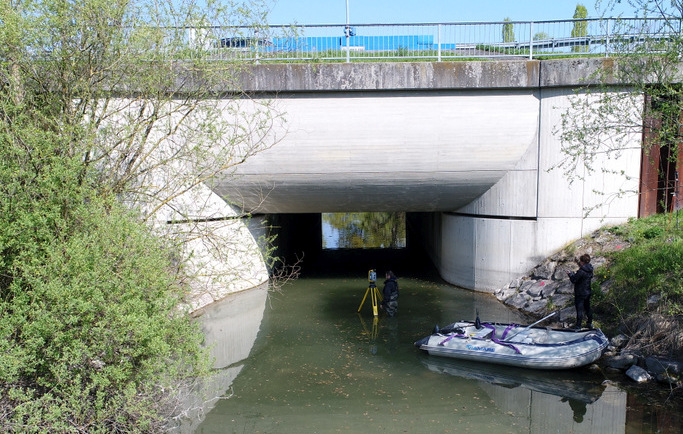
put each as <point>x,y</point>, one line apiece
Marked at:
<point>221,256</point>
<point>533,211</point>
<point>467,146</point>
<point>386,151</point>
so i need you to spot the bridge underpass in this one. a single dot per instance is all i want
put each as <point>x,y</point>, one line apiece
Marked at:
<point>299,237</point>
<point>465,148</point>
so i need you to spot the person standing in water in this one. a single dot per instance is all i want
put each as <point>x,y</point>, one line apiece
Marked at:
<point>390,294</point>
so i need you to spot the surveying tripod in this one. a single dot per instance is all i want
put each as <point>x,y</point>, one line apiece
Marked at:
<point>375,295</point>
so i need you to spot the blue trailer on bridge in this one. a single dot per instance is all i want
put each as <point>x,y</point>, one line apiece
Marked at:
<point>360,43</point>
<point>337,43</point>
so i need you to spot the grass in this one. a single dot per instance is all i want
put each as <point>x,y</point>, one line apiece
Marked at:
<point>483,53</point>
<point>645,281</point>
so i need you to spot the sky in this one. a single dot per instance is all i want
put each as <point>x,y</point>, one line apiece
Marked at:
<point>429,11</point>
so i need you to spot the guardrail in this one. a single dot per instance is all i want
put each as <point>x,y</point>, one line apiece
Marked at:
<point>434,42</point>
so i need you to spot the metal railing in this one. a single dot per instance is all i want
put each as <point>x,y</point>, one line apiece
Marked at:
<point>433,42</point>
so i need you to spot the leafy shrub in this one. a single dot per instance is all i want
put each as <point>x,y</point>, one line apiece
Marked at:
<point>91,333</point>
<point>652,232</point>
<point>91,337</point>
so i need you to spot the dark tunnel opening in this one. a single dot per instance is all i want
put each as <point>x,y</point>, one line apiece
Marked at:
<point>299,238</point>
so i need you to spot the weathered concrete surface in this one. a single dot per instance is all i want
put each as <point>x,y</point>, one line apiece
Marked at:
<point>534,210</point>
<point>507,74</point>
<point>328,77</point>
<point>220,255</point>
<point>472,142</point>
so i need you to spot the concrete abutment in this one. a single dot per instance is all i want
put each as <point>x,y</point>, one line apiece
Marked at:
<point>473,147</point>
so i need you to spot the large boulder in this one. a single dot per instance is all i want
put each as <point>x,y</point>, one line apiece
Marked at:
<point>517,301</point>
<point>620,361</point>
<point>537,307</point>
<point>540,288</point>
<point>506,292</point>
<point>659,365</point>
<point>562,269</point>
<point>565,287</point>
<point>559,300</point>
<point>544,271</point>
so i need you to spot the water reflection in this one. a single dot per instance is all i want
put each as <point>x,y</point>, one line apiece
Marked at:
<point>585,387</point>
<point>364,230</point>
<point>577,401</point>
<point>371,332</point>
<point>317,366</point>
<point>231,327</point>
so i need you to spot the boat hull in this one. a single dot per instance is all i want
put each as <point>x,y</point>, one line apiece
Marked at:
<point>507,344</point>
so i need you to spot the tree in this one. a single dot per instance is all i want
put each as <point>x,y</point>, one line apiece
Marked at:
<point>508,31</point>
<point>541,36</point>
<point>580,29</point>
<point>105,104</point>
<point>636,108</point>
<point>603,120</point>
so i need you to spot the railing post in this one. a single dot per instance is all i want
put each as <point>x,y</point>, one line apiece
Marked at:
<point>531,40</point>
<point>607,41</point>
<point>348,34</point>
<point>256,47</point>
<point>438,42</point>
<point>348,48</point>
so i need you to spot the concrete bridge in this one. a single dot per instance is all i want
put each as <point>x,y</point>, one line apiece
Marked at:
<point>465,147</point>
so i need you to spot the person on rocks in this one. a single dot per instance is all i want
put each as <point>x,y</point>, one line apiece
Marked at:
<point>390,294</point>
<point>582,290</point>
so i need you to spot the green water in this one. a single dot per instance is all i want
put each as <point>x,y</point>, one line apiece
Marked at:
<point>318,366</point>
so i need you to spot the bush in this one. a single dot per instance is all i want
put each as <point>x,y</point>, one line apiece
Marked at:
<point>92,338</point>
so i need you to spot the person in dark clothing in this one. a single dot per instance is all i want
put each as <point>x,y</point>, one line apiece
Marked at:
<point>582,290</point>
<point>390,294</point>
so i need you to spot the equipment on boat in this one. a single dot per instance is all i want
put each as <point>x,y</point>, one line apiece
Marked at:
<point>516,345</point>
<point>530,325</point>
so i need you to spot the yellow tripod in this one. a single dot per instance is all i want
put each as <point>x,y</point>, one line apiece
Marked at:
<point>375,296</point>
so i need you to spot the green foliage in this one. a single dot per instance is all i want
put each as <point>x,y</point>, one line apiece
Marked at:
<point>652,266</point>
<point>90,331</point>
<point>652,233</point>
<point>508,31</point>
<point>580,28</point>
<point>92,336</point>
<point>658,227</point>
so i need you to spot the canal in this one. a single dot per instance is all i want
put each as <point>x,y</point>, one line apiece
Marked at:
<point>303,359</point>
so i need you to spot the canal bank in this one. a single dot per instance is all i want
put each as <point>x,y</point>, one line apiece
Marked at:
<point>644,349</point>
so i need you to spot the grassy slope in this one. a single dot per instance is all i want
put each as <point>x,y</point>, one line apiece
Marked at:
<point>640,290</point>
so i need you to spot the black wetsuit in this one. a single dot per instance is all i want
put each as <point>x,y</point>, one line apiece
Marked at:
<point>390,296</point>
<point>582,293</point>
